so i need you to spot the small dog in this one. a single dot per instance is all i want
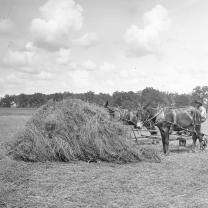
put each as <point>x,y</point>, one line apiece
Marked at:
<point>182,141</point>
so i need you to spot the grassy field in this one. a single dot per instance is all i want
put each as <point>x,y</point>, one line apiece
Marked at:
<point>11,120</point>
<point>180,180</point>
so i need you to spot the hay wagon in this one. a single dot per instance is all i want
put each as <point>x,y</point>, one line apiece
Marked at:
<point>145,136</point>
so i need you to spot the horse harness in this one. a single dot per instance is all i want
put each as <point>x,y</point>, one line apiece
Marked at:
<point>150,119</point>
<point>122,114</point>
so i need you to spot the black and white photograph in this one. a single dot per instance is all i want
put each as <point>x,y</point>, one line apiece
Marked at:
<point>103,104</point>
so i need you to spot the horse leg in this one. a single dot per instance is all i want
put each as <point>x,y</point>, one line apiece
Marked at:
<point>197,134</point>
<point>165,140</point>
<point>194,137</point>
<point>200,141</point>
<point>200,136</point>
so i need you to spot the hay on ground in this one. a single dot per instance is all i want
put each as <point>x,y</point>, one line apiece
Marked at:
<point>75,130</point>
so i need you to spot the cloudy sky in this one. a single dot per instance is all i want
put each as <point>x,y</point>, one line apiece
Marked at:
<point>102,46</point>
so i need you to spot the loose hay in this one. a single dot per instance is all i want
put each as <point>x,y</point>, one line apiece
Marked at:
<point>74,130</point>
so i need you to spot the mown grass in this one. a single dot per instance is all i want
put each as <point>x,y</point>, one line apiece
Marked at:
<point>180,180</point>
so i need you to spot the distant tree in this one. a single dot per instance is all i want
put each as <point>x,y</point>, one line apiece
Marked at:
<point>67,95</point>
<point>200,93</point>
<point>182,100</point>
<point>128,100</point>
<point>89,96</point>
<point>129,104</point>
<point>22,100</point>
<point>37,99</point>
<point>101,98</point>
<point>132,100</point>
<point>58,96</point>
<point>6,101</point>
<point>117,98</point>
<point>153,97</point>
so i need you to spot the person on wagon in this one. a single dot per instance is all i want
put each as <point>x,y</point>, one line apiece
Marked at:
<point>199,106</point>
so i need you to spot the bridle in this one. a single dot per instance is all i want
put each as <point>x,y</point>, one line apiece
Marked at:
<point>123,113</point>
<point>149,119</point>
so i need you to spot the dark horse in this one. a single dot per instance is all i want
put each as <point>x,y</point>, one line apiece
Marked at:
<point>168,119</point>
<point>128,117</point>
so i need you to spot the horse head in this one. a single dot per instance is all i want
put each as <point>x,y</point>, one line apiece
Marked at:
<point>140,116</point>
<point>145,116</point>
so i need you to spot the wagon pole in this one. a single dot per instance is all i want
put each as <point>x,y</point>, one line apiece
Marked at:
<point>159,132</point>
<point>191,131</point>
<point>146,130</point>
<point>171,134</point>
<point>179,135</point>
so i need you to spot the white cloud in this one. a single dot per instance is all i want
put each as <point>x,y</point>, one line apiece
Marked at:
<point>73,66</point>
<point>106,73</point>
<point>6,25</point>
<point>18,58</point>
<point>83,80</point>
<point>59,20</point>
<point>13,79</point>
<point>147,39</point>
<point>89,65</point>
<point>107,67</point>
<point>63,56</point>
<point>17,82</point>
<point>30,46</point>
<point>80,79</point>
<point>29,70</point>
<point>29,60</point>
<point>87,40</point>
<point>44,75</point>
<point>10,84</point>
<point>34,60</point>
<point>124,73</point>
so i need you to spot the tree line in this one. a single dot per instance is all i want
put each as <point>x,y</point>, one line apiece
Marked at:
<point>128,100</point>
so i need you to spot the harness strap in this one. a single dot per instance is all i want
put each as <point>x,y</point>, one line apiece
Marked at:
<point>149,119</point>
<point>123,115</point>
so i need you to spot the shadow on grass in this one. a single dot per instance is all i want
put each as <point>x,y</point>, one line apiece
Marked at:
<point>181,149</point>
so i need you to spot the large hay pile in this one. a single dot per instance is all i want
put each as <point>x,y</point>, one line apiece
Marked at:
<point>74,130</point>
